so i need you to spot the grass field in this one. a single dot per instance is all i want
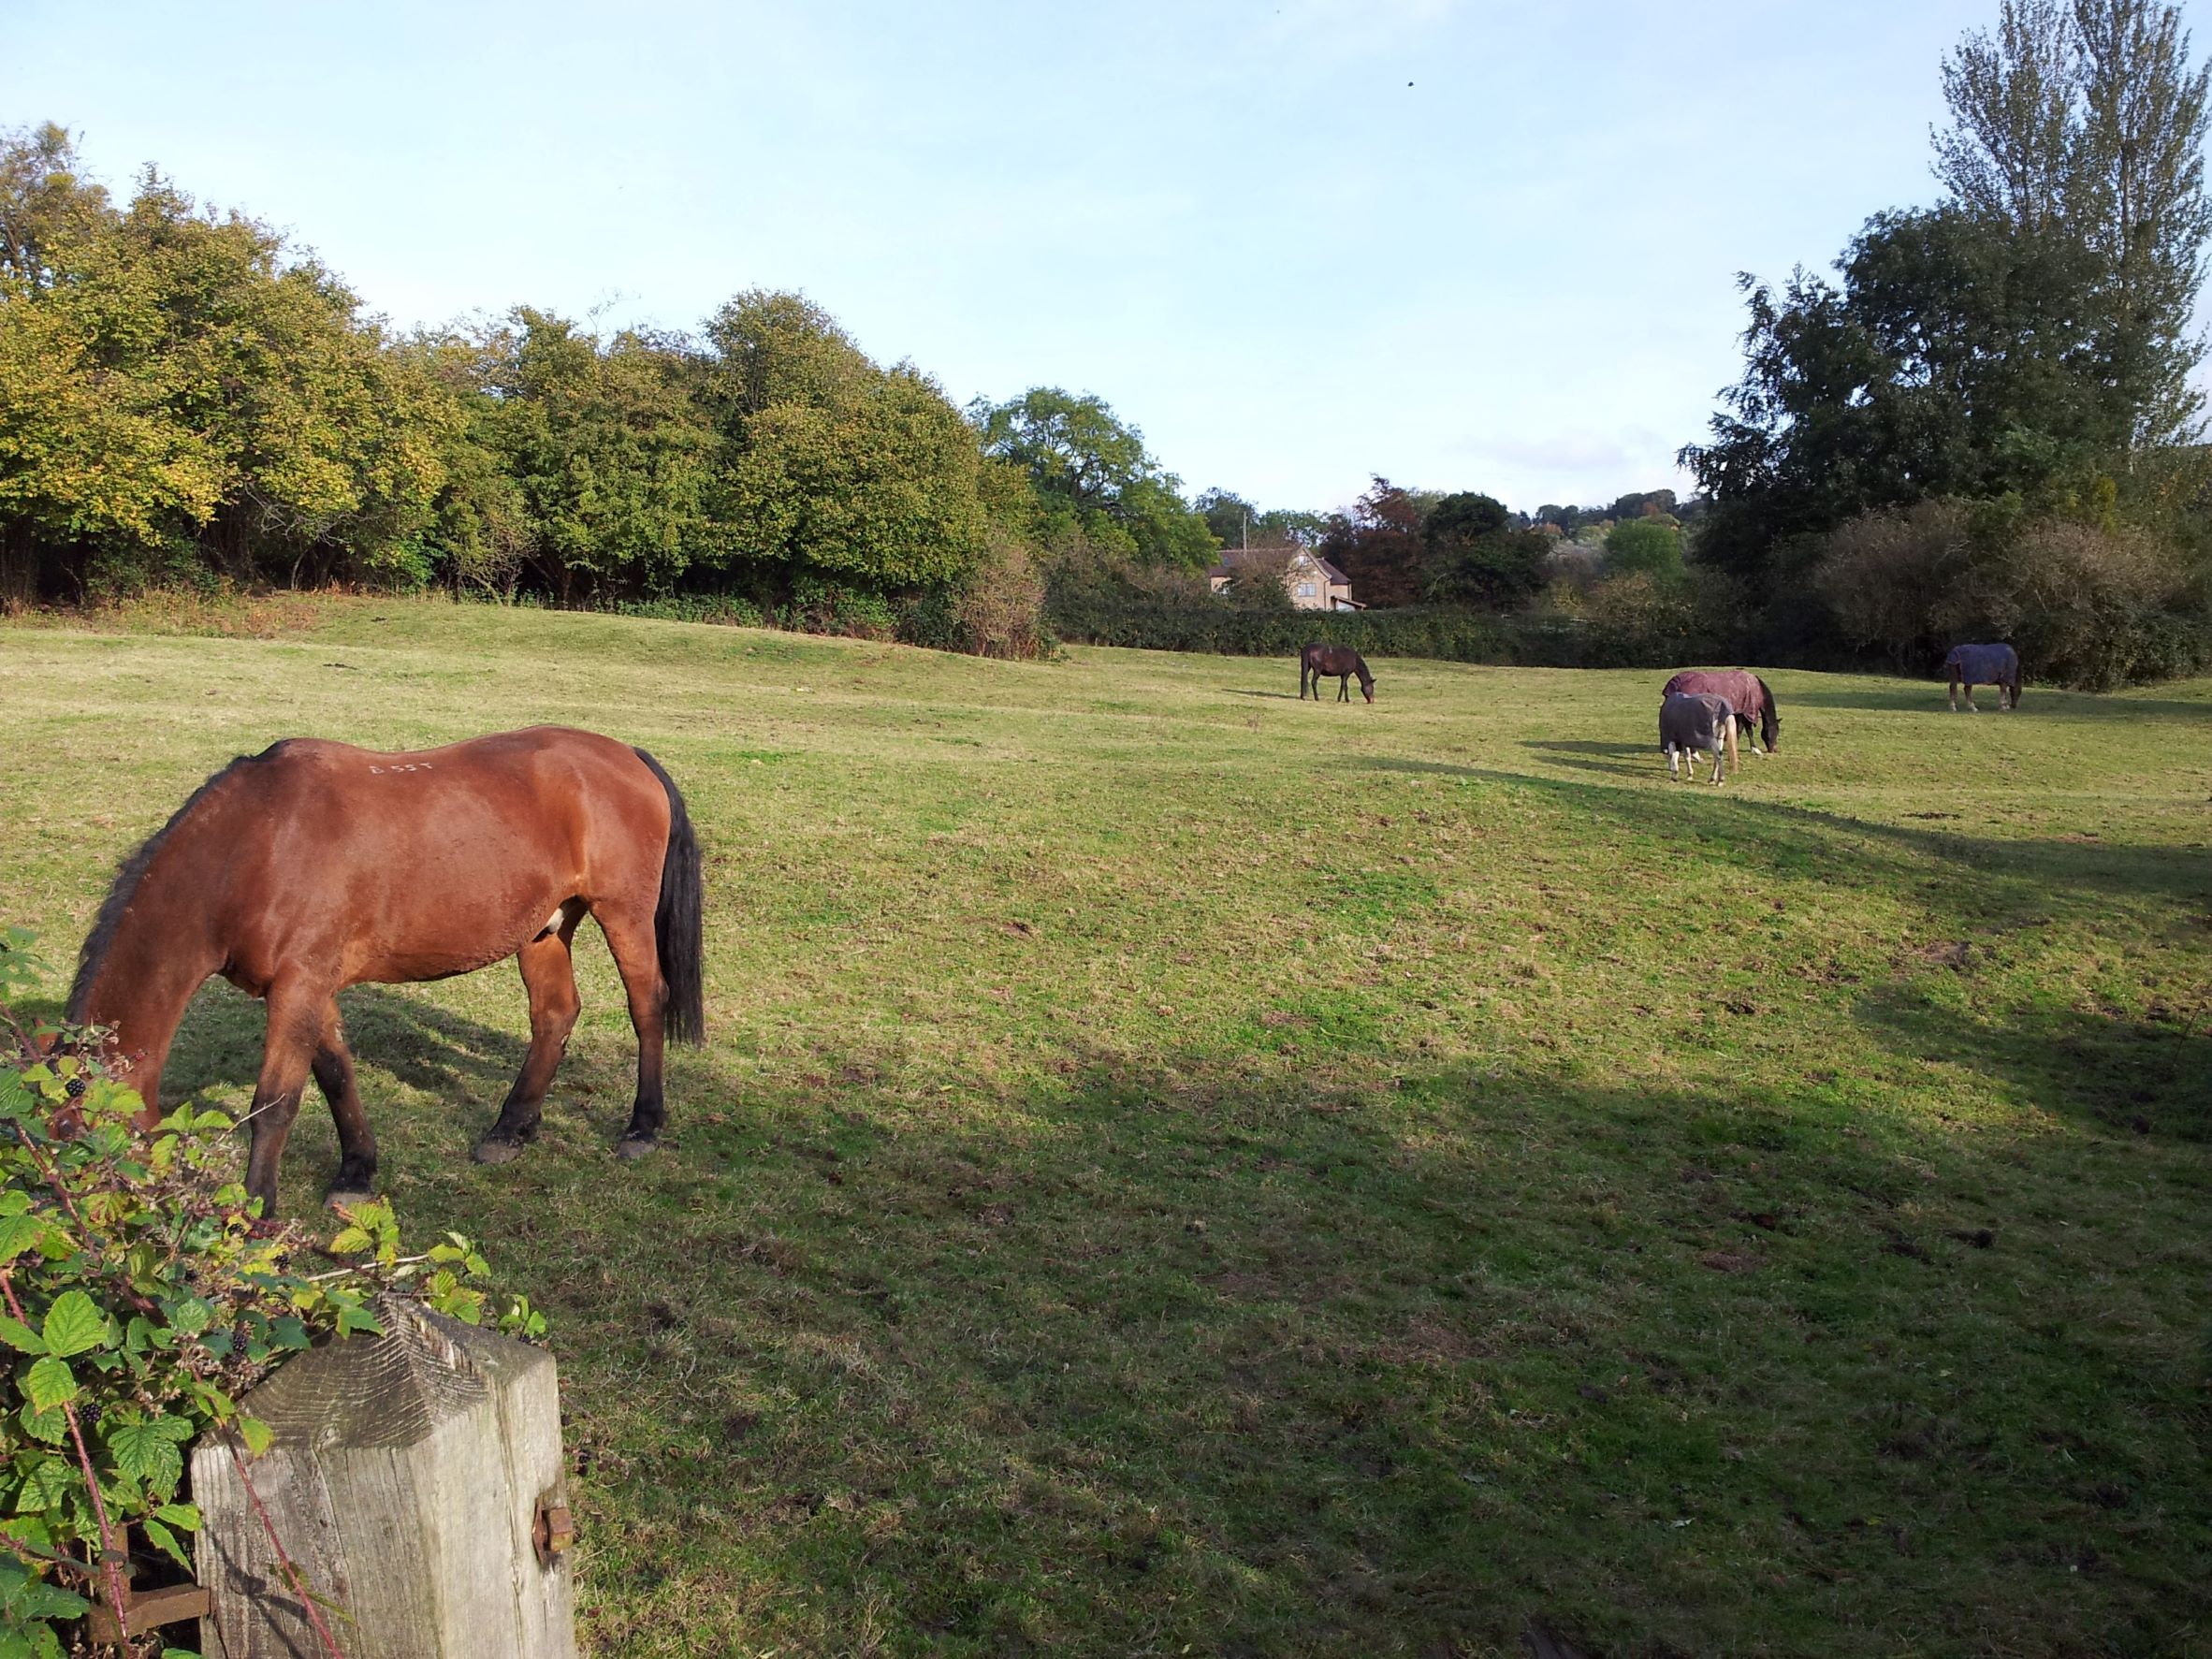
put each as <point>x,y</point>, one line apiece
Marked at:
<point>1182,1171</point>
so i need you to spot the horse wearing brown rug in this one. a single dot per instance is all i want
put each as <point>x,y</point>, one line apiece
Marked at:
<point>315,865</point>
<point>1318,660</point>
<point>1747,693</point>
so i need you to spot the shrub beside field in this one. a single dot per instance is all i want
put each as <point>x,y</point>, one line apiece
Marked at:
<point>1174,1168</point>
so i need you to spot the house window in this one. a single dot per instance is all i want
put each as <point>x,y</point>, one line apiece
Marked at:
<point>1306,590</point>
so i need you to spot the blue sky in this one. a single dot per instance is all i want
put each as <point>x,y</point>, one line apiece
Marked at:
<point>1297,241</point>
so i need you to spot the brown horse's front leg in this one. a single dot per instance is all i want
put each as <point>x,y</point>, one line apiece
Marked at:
<point>549,973</point>
<point>295,1031</point>
<point>356,1180</point>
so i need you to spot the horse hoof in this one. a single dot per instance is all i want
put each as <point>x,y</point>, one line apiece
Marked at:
<point>629,1148</point>
<point>345,1198</point>
<point>496,1149</point>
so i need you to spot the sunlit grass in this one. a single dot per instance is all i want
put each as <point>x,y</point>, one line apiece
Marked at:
<point>1180,1169</point>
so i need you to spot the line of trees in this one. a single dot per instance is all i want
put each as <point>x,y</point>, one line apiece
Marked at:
<point>1991,407</point>
<point>184,398</point>
<point>1994,408</point>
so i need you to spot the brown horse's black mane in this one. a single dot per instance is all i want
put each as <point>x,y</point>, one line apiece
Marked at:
<point>125,888</point>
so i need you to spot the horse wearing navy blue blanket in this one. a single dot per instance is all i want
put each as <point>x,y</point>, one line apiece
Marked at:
<point>1694,720</point>
<point>1972,666</point>
<point>1747,693</point>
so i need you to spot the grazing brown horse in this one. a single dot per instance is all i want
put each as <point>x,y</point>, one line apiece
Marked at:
<point>1318,661</point>
<point>1747,694</point>
<point>315,865</point>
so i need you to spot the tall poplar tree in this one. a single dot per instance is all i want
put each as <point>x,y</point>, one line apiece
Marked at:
<point>2086,117</point>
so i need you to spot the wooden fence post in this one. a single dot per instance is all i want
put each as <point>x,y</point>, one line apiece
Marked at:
<point>416,1481</point>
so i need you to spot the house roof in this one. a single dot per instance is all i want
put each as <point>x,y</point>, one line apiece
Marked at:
<point>1234,559</point>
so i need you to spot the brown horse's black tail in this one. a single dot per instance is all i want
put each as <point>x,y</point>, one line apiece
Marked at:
<point>679,919</point>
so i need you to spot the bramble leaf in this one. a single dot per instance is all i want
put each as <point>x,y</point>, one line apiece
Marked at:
<point>167,1541</point>
<point>18,1233</point>
<point>49,1426</point>
<point>49,1383</point>
<point>18,1335</point>
<point>74,1324</point>
<point>148,1451</point>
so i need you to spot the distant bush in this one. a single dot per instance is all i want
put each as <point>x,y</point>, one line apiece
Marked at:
<point>997,609</point>
<point>820,607</point>
<point>1634,621</point>
<point>1652,544</point>
<point>727,609</point>
<point>1900,581</point>
<point>2094,608</point>
<point>2086,605</point>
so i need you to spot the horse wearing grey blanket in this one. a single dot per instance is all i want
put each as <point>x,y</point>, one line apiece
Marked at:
<point>1692,720</point>
<point>1972,666</point>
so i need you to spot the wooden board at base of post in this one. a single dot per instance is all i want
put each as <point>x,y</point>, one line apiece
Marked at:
<point>415,1483</point>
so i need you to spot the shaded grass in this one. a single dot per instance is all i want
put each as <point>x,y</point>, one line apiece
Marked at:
<point>1179,1170</point>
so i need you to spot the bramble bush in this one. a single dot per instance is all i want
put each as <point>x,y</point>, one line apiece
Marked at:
<point>2091,606</point>
<point>143,1297</point>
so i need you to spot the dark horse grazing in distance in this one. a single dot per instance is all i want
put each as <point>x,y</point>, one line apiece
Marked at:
<point>315,865</point>
<point>1318,661</point>
<point>1747,694</point>
<point>1972,666</point>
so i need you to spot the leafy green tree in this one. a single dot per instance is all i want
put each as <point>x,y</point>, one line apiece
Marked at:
<point>1958,355</point>
<point>1648,544</point>
<point>2085,117</point>
<point>1094,478</point>
<point>88,456</point>
<point>43,200</point>
<point>1475,555</point>
<point>610,458</point>
<point>185,392</point>
<point>833,464</point>
<point>1235,522</point>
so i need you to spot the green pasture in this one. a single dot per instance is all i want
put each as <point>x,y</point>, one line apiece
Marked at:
<point>1179,1170</point>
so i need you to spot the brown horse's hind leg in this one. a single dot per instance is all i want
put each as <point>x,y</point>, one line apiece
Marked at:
<point>632,940</point>
<point>549,973</point>
<point>295,1032</point>
<point>356,1180</point>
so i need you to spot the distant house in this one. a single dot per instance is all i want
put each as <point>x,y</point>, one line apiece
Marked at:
<point>1311,581</point>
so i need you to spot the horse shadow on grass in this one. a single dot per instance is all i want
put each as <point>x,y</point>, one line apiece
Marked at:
<point>400,1035</point>
<point>1228,1324</point>
<point>2146,1073</point>
<point>2032,876</point>
<point>1231,1323</point>
<point>2037,701</point>
<point>1612,758</point>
